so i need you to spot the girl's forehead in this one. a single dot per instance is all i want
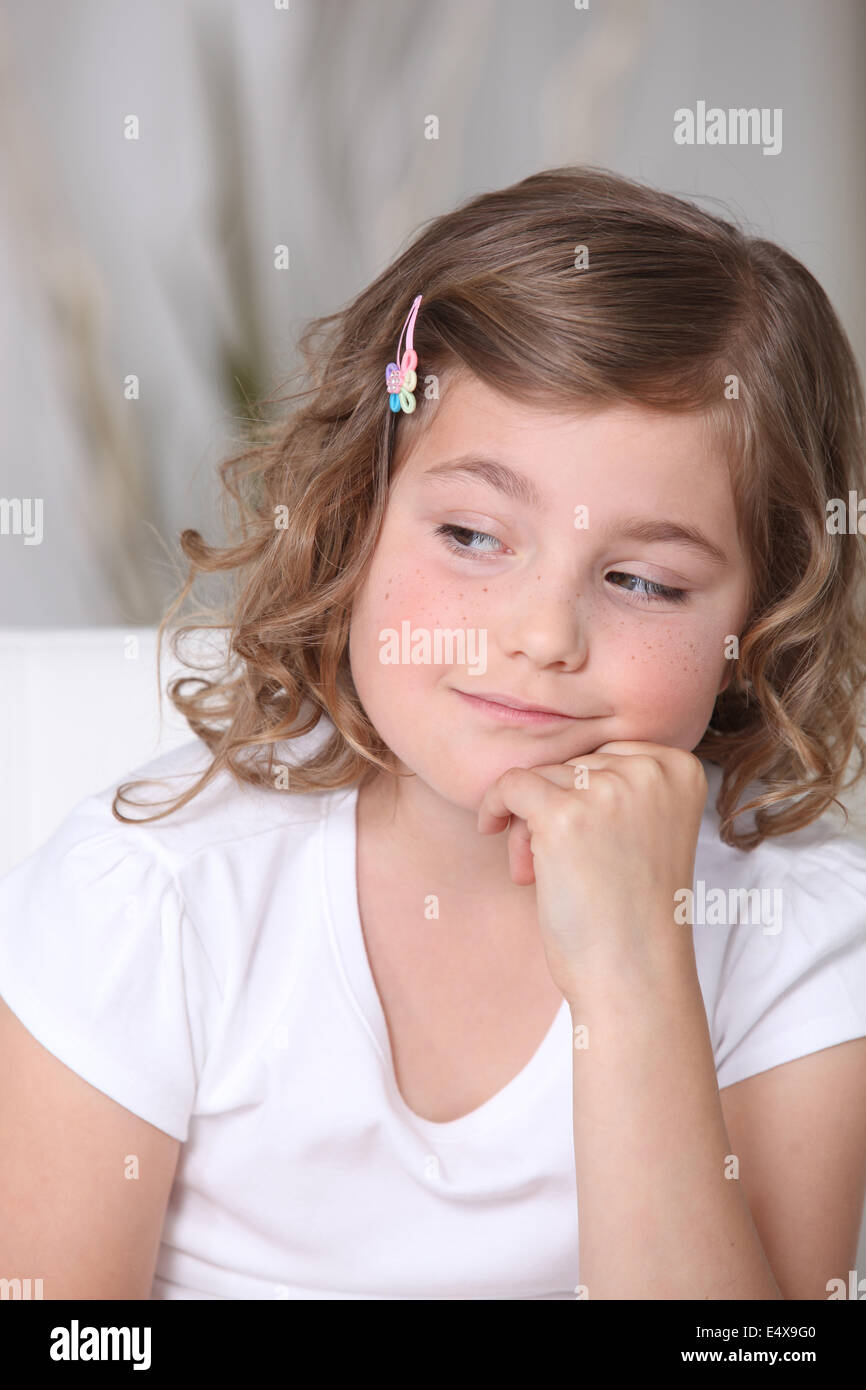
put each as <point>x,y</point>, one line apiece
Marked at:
<point>621,442</point>
<point>466,402</point>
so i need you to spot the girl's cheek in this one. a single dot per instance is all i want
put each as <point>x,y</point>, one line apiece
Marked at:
<point>410,586</point>
<point>669,680</point>
<point>399,589</point>
<point>401,595</point>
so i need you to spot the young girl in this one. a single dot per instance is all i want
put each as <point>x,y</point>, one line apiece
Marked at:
<point>492,940</point>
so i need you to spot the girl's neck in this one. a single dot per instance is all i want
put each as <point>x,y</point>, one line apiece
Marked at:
<point>422,834</point>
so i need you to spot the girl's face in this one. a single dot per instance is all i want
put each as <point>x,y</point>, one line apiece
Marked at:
<point>517,561</point>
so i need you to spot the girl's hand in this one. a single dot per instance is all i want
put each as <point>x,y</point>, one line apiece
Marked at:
<point>607,848</point>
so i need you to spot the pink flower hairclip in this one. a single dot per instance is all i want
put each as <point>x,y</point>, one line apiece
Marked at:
<point>401,381</point>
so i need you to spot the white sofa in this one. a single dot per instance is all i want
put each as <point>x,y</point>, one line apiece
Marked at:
<point>78,708</point>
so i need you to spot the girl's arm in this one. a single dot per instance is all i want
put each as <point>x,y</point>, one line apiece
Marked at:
<point>662,1213</point>
<point>799,1130</point>
<point>71,1213</point>
<point>610,840</point>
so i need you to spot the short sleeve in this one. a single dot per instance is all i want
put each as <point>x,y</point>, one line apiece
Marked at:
<point>99,962</point>
<point>788,992</point>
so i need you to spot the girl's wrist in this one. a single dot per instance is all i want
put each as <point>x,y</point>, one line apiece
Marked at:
<point>662,970</point>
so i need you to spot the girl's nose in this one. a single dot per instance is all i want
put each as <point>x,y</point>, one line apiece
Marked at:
<point>548,631</point>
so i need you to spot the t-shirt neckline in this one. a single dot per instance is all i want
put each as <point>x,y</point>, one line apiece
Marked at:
<point>340,895</point>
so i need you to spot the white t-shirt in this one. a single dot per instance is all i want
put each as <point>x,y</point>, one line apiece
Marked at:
<point>208,971</point>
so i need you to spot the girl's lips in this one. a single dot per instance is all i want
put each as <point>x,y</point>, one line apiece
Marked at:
<point>508,714</point>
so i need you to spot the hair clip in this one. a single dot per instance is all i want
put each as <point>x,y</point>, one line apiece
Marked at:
<point>401,381</point>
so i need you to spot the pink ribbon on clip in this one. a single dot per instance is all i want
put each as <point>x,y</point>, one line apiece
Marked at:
<point>401,380</point>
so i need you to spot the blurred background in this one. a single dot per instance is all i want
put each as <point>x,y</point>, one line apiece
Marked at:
<point>306,127</point>
<point>153,157</point>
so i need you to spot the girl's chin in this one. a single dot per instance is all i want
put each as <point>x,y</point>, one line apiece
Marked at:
<point>462,791</point>
<point>463,775</point>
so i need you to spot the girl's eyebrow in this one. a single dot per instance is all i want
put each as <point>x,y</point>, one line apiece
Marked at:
<point>498,475</point>
<point>639,528</point>
<point>521,489</point>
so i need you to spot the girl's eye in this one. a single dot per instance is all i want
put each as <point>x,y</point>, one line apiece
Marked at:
<point>459,539</point>
<point>649,590</point>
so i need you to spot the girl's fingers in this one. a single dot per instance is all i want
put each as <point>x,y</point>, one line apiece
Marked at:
<point>520,861</point>
<point>518,791</point>
<point>513,798</point>
<point>509,803</point>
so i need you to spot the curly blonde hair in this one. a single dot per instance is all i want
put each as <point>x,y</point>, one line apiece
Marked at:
<point>671,308</point>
